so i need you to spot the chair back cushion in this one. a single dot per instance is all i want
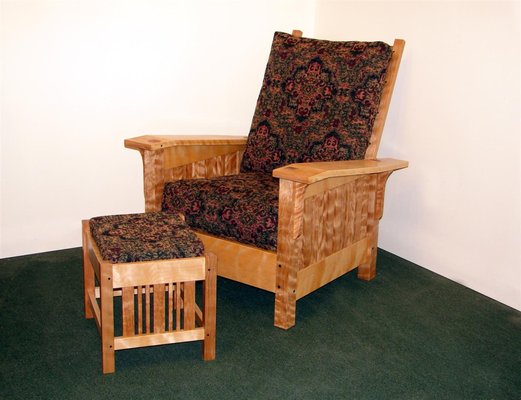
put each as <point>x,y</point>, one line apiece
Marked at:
<point>318,102</point>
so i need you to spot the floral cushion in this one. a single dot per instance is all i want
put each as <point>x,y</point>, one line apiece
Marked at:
<point>242,207</point>
<point>144,237</point>
<point>318,102</point>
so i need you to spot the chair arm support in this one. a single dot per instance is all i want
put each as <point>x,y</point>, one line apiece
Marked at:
<point>312,172</point>
<point>164,155</point>
<point>157,142</point>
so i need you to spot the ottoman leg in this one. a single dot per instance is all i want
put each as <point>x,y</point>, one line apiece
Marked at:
<point>210,305</point>
<point>107,319</point>
<point>88,273</point>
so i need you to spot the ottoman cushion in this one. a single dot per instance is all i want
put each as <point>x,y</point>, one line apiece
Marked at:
<point>144,237</point>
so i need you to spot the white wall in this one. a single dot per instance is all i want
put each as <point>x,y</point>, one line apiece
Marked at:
<point>456,117</point>
<point>79,76</point>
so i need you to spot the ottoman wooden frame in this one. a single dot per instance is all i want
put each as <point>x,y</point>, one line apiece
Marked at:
<point>177,319</point>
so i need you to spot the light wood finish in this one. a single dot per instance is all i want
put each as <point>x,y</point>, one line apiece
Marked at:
<point>367,271</point>
<point>163,288</point>
<point>237,261</point>
<point>151,272</point>
<point>156,142</point>
<point>322,272</point>
<point>318,171</point>
<point>108,361</point>
<point>88,276</point>
<point>182,155</point>
<point>289,251</point>
<point>156,339</point>
<point>171,158</point>
<point>209,307</point>
<point>328,211</point>
<point>127,300</point>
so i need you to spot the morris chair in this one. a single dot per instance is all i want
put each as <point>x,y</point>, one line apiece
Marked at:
<point>297,203</point>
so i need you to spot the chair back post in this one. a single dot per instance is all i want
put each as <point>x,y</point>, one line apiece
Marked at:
<point>385,100</point>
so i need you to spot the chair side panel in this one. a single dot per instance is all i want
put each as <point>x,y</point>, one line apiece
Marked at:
<point>337,218</point>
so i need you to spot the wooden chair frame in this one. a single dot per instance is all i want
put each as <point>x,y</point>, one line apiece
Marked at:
<point>328,211</point>
<point>153,320</point>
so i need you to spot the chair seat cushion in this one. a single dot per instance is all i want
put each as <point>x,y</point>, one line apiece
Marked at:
<point>241,207</point>
<point>144,237</point>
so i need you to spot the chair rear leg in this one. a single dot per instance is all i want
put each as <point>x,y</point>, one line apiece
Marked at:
<point>367,271</point>
<point>285,308</point>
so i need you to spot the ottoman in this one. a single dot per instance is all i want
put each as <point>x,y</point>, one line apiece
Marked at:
<point>152,261</point>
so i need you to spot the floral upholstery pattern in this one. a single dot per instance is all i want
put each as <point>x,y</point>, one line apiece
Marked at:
<point>144,237</point>
<point>242,207</point>
<point>318,102</point>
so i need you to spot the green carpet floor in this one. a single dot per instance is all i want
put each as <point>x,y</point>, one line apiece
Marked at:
<point>408,334</point>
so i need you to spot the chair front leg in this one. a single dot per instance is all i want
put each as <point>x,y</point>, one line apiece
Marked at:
<point>289,251</point>
<point>286,294</point>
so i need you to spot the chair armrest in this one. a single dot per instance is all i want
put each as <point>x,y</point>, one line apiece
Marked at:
<point>316,171</point>
<point>156,142</point>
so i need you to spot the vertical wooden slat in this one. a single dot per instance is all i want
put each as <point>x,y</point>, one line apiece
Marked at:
<point>170,306</point>
<point>188,171</point>
<point>211,167</point>
<point>307,232</point>
<point>199,169</point>
<point>339,217</point>
<point>350,214</point>
<point>147,309</point>
<point>328,222</point>
<point>140,309</point>
<point>317,233</point>
<point>127,299</point>
<point>240,155</point>
<point>364,203</point>
<point>178,173</point>
<point>230,164</point>
<point>189,305</point>
<point>178,306</point>
<point>219,166</point>
<point>159,308</point>
<point>358,208</point>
